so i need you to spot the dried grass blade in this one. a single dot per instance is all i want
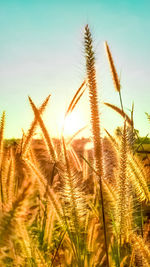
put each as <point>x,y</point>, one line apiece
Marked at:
<point>44,130</point>
<point>32,128</point>
<point>75,99</point>
<point>122,113</point>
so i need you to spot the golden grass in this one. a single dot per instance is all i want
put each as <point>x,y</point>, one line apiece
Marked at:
<point>52,194</point>
<point>113,69</point>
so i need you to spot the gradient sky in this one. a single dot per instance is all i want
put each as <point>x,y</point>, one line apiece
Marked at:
<point>41,53</point>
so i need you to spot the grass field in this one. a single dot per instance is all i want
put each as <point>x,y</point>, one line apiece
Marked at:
<point>63,203</point>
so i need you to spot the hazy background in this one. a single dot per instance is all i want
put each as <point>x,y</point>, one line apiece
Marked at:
<point>41,53</point>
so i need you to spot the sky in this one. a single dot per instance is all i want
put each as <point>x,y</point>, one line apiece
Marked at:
<point>42,53</point>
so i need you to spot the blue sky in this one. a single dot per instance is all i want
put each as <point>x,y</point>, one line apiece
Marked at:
<point>41,53</point>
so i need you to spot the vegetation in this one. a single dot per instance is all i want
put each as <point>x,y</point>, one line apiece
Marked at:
<point>66,206</point>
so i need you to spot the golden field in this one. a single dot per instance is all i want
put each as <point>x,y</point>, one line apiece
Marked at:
<point>65,204</point>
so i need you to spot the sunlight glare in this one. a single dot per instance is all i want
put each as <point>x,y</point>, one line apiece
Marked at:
<point>72,124</point>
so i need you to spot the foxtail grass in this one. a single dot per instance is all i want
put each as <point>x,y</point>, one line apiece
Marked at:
<point>115,78</point>
<point>95,118</point>
<point>59,218</point>
<point>74,206</point>
<point>123,189</point>
<point>113,69</point>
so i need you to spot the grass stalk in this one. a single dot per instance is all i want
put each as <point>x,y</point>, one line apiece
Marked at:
<point>95,120</point>
<point>44,130</point>
<point>32,128</point>
<point>2,126</point>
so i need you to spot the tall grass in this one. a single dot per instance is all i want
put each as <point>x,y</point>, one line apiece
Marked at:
<point>95,119</point>
<point>63,206</point>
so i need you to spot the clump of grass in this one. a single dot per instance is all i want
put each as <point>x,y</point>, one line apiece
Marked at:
<point>55,211</point>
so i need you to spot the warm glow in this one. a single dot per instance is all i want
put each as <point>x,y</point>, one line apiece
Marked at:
<point>73,123</point>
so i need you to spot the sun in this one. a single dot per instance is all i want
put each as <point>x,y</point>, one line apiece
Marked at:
<point>71,124</point>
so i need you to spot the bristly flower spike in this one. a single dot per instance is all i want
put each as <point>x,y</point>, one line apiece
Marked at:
<point>112,68</point>
<point>95,119</point>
